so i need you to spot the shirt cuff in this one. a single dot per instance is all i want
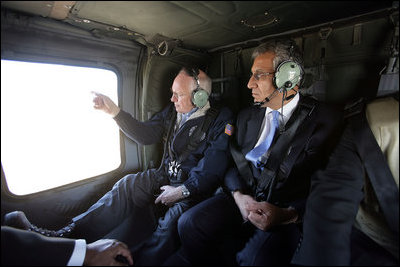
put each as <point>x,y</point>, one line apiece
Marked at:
<point>79,253</point>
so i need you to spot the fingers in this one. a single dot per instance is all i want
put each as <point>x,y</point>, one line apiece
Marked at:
<point>260,220</point>
<point>122,249</point>
<point>253,206</point>
<point>98,100</point>
<point>162,200</point>
<point>158,199</point>
<point>127,254</point>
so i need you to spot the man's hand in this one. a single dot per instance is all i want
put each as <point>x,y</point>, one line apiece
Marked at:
<point>265,215</point>
<point>105,104</point>
<point>104,251</point>
<point>242,201</point>
<point>170,195</point>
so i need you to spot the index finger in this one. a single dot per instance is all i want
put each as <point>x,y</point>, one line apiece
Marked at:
<point>127,254</point>
<point>96,93</point>
<point>158,199</point>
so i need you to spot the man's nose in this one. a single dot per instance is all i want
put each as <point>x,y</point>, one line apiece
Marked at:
<point>251,84</point>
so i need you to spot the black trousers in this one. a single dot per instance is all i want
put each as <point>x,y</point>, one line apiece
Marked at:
<point>133,197</point>
<point>366,252</point>
<point>212,232</point>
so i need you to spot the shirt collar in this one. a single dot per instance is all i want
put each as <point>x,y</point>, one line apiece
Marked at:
<point>183,117</point>
<point>287,109</point>
<point>187,114</point>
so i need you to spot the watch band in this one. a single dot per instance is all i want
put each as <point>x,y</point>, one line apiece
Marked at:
<point>185,191</point>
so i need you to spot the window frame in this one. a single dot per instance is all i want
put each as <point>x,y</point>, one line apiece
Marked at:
<point>121,154</point>
<point>60,43</point>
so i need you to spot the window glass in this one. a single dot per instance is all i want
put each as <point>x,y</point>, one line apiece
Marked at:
<point>50,133</point>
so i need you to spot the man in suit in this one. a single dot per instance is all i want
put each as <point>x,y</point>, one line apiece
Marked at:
<point>21,247</point>
<point>346,220</point>
<point>264,196</point>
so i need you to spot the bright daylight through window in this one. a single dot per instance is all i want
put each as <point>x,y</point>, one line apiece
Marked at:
<point>50,133</point>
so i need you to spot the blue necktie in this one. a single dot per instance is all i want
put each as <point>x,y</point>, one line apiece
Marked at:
<point>255,154</point>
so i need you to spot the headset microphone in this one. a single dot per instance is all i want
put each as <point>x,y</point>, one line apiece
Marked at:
<point>267,99</point>
<point>289,97</point>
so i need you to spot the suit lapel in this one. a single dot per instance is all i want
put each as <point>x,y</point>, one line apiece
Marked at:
<point>253,129</point>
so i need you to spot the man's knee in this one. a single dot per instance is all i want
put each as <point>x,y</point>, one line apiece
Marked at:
<point>185,223</point>
<point>124,181</point>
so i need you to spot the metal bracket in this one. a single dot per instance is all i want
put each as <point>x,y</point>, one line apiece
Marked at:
<point>357,34</point>
<point>324,33</point>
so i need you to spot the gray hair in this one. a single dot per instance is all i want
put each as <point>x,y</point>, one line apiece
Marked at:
<point>284,49</point>
<point>205,81</point>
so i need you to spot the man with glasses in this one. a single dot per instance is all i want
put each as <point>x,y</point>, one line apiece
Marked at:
<point>279,142</point>
<point>195,159</point>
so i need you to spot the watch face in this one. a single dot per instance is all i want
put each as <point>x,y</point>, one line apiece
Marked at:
<point>185,192</point>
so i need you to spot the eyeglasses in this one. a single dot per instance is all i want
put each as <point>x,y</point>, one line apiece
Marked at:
<point>258,75</point>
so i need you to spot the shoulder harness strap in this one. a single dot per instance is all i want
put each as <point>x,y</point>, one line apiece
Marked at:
<point>199,132</point>
<point>282,149</point>
<point>172,118</point>
<point>279,150</point>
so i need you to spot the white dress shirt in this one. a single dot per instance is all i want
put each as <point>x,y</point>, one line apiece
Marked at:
<point>283,118</point>
<point>79,253</point>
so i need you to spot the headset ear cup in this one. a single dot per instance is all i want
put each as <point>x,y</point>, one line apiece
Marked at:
<point>287,75</point>
<point>199,97</point>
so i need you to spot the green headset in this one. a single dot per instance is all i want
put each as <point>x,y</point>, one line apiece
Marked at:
<point>199,95</point>
<point>288,74</point>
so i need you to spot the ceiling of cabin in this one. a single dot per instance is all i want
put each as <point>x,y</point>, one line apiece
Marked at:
<point>204,25</point>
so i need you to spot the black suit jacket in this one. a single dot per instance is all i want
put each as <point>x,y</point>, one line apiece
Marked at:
<point>293,187</point>
<point>20,247</point>
<point>336,195</point>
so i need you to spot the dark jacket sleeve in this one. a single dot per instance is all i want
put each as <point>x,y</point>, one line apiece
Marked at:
<point>144,133</point>
<point>233,180</point>
<point>207,175</point>
<point>20,247</point>
<point>332,207</point>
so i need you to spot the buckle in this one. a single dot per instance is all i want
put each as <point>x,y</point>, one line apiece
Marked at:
<point>173,168</point>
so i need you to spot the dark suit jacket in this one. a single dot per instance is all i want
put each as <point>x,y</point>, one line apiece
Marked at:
<point>314,151</point>
<point>19,247</point>
<point>205,165</point>
<point>336,195</point>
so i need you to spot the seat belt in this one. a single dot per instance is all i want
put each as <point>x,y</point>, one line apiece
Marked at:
<point>198,133</point>
<point>279,150</point>
<point>169,131</point>
<point>375,165</point>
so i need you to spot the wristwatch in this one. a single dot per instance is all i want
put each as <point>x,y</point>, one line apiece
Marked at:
<point>185,191</point>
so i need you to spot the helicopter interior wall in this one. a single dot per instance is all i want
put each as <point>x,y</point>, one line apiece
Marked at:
<point>46,41</point>
<point>344,66</point>
<point>350,69</point>
<point>354,55</point>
